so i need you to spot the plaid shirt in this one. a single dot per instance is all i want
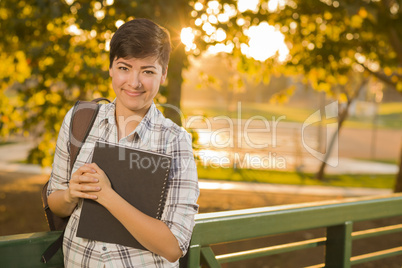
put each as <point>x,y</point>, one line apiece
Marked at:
<point>154,133</point>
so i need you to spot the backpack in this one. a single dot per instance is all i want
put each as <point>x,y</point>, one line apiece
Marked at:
<point>82,119</point>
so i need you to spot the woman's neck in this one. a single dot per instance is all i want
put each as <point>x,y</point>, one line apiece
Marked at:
<point>127,121</point>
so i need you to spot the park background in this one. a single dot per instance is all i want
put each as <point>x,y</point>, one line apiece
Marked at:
<point>233,63</point>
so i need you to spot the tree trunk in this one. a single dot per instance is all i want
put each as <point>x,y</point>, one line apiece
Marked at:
<point>175,80</point>
<point>398,183</point>
<point>342,118</point>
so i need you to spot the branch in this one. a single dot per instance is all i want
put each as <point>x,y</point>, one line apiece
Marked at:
<point>380,76</point>
<point>392,32</point>
<point>362,84</point>
<point>395,43</point>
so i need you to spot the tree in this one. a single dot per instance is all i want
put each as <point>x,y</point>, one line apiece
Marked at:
<point>55,52</point>
<point>329,41</point>
<point>362,35</point>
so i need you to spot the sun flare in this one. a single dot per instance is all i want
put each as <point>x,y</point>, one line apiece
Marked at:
<point>264,40</point>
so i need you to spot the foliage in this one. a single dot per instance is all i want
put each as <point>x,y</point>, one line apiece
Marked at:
<point>334,46</point>
<point>54,53</point>
<point>329,41</point>
<point>382,181</point>
<point>389,114</point>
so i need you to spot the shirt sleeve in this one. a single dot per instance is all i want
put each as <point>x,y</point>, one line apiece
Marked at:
<point>61,163</point>
<point>183,191</point>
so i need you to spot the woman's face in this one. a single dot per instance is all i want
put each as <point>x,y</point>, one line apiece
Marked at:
<point>136,82</point>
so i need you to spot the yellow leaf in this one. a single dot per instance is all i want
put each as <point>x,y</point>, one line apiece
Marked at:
<point>324,87</point>
<point>46,162</point>
<point>39,98</point>
<point>3,14</point>
<point>4,119</point>
<point>311,26</point>
<point>327,15</point>
<point>399,86</point>
<point>356,21</point>
<point>363,12</point>
<point>387,71</point>
<point>48,83</point>
<point>342,79</point>
<point>343,98</point>
<point>27,10</point>
<point>50,26</point>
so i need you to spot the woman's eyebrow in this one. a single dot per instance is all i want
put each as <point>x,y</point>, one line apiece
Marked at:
<point>122,62</point>
<point>142,67</point>
<point>148,66</point>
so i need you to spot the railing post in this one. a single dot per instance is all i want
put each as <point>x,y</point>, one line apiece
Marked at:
<point>338,248</point>
<point>209,257</point>
<point>194,259</point>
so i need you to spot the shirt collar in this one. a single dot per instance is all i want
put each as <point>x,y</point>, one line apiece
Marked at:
<point>145,125</point>
<point>108,115</point>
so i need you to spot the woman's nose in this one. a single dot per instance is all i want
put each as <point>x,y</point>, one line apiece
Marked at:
<point>133,80</point>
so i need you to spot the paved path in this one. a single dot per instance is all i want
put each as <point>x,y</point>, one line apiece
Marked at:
<point>292,189</point>
<point>10,154</point>
<point>290,146</point>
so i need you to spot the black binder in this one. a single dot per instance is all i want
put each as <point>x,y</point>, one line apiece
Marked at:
<point>140,177</point>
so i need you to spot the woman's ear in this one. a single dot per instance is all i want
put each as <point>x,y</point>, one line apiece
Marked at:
<point>164,75</point>
<point>111,68</point>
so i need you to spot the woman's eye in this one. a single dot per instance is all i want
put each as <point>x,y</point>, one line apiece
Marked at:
<point>149,72</point>
<point>123,68</point>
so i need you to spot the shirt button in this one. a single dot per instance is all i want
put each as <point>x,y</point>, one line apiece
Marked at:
<point>104,248</point>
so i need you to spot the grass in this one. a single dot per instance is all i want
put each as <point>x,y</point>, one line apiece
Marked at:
<point>390,108</point>
<point>389,114</point>
<point>249,110</point>
<point>2,143</point>
<point>384,161</point>
<point>382,181</point>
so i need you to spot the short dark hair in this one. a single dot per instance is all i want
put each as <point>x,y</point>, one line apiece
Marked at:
<point>141,38</point>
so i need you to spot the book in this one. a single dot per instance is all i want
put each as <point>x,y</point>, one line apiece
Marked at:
<point>140,177</point>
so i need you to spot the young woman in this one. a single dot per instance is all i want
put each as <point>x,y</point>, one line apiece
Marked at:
<point>139,55</point>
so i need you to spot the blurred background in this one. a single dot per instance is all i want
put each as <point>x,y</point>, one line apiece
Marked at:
<point>303,96</point>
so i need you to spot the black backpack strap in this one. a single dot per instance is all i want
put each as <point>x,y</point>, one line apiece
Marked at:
<point>100,99</point>
<point>82,120</point>
<point>54,247</point>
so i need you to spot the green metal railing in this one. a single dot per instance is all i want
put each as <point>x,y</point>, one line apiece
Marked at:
<point>336,216</point>
<point>220,227</point>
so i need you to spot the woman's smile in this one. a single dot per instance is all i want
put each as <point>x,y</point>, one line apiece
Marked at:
<point>132,93</point>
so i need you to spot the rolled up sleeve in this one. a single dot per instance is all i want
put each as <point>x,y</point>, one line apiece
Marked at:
<point>61,163</point>
<point>183,191</point>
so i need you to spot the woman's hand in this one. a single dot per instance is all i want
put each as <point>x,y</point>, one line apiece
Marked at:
<point>83,184</point>
<point>103,183</point>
